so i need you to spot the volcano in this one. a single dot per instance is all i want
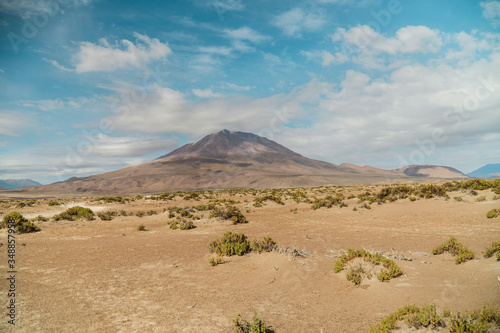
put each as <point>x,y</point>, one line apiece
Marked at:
<point>224,160</point>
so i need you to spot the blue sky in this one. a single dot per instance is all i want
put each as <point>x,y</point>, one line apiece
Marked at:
<point>92,86</point>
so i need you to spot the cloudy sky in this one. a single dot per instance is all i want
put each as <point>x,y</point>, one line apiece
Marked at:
<point>89,86</point>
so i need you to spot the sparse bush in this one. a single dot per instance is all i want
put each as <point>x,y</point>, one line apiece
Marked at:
<point>22,225</point>
<point>230,244</point>
<point>229,213</point>
<point>413,316</point>
<point>258,202</point>
<point>174,225</point>
<point>107,215</point>
<point>481,198</point>
<point>140,213</point>
<point>494,248</point>
<point>75,213</point>
<point>265,245</point>
<point>123,212</point>
<point>54,203</point>
<point>41,218</point>
<point>493,213</point>
<point>187,225</point>
<point>329,201</point>
<point>152,212</point>
<point>171,215</point>
<point>141,227</point>
<point>216,260</point>
<point>243,326</point>
<point>456,249</point>
<point>390,270</point>
<point>459,199</point>
<point>111,199</point>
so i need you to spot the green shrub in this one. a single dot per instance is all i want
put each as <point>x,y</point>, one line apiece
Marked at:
<point>216,260</point>
<point>152,212</point>
<point>140,213</point>
<point>41,218</point>
<point>74,213</point>
<point>22,225</point>
<point>494,248</point>
<point>390,270</point>
<point>54,203</point>
<point>230,244</point>
<point>229,213</point>
<point>265,245</point>
<point>456,249</point>
<point>413,316</point>
<point>481,198</point>
<point>329,201</point>
<point>243,326</point>
<point>141,227</point>
<point>107,215</point>
<point>174,225</point>
<point>493,213</point>
<point>187,225</point>
<point>258,202</point>
<point>111,199</point>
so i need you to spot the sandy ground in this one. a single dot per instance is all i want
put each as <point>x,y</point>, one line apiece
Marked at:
<point>105,276</point>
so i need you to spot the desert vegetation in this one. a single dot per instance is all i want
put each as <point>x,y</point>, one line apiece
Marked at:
<point>22,224</point>
<point>427,316</point>
<point>456,249</point>
<point>75,213</point>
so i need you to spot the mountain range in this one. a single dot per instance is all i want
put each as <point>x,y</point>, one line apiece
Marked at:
<point>487,171</point>
<point>229,159</point>
<point>8,184</point>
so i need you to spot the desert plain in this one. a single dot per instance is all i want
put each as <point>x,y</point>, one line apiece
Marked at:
<point>108,276</point>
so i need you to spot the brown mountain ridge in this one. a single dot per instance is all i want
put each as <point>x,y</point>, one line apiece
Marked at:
<point>228,159</point>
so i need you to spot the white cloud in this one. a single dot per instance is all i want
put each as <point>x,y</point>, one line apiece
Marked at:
<point>205,93</point>
<point>13,123</point>
<point>410,39</point>
<point>57,65</point>
<point>356,3</point>
<point>295,21</point>
<point>223,5</point>
<point>491,11</point>
<point>104,57</point>
<point>234,87</point>
<point>325,57</point>
<point>50,104</point>
<point>167,110</point>
<point>27,8</point>
<point>220,50</point>
<point>245,33</point>
<point>131,146</point>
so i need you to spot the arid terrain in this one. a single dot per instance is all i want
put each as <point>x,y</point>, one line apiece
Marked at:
<point>107,276</point>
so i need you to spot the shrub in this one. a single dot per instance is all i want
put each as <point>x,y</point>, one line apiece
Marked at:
<point>230,244</point>
<point>265,245</point>
<point>174,225</point>
<point>230,212</point>
<point>152,212</point>
<point>22,225</point>
<point>40,218</point>
<point>456,249</point>
<point>258,202</point>
<point>494,248</point>
<point>108,215</point>
<point>493,213</point>
<point>54,203</point>
<point>171,215</point>
<point>329,202</point>
<point>140,213</point>
<point>141,227</point>
<point>481,198</point>
<point>243,326</point>
<point>111,199</point>
<point>187,225</point>
<point>390,270</point>
<point>74,213</point>
<point>216,260</point>
<point>459,199</point>
<point>413,316</point>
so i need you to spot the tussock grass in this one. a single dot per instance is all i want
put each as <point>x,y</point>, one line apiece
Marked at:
<point>389,271</point>
<point>456,249</point>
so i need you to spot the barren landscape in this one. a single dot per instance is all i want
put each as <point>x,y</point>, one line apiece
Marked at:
<point>105,275</point>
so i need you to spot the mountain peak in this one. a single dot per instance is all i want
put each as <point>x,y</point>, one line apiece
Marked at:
<point>225,144</point>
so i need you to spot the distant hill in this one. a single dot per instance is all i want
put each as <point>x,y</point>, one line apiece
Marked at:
<point>229,159</point>
<point>432,171</point>
<point>10,184</point>
<point>487,171</point>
